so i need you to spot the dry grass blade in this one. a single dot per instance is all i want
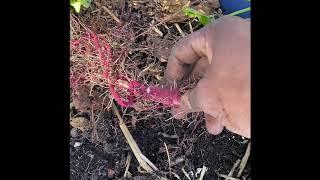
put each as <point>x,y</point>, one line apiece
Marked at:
<point>179,29</point>
<point>133,145</point>
<point>185,173</point>
<point>158,31</point>
<point>244,160</point>
<point>109,12</point>
<point>233,168</point>
<point>127,165</point>
<point>169,162</point>
<point>203,172</point>
<point>227,177</point>
<point>190,27</point>
<point>176,175</point>
<point>154,167</point>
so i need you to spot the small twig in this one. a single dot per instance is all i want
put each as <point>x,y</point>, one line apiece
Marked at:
<point>244,160</point>
<point>89,163</point>
<point>203,172</point>
<point>185,173</point>
<point>179,29</point>
<point>233,168</point>
<point>133,145</point>
<point>154,167</point>
<point>145,69</point>
<point>127,165</point>
<point>190,27</point>
<point>138,49</point>
<point>176,175</point>
<point>168,155</point>
<point>168,29</point>
<point>157,31</point>
<point>109,12</point>
<point>174,116</point>
<point>225,176</point>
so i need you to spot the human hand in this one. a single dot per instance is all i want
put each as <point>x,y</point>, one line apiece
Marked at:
<point>219,54</point>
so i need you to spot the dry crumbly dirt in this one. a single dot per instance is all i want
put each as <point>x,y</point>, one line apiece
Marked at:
<point>100,151</point>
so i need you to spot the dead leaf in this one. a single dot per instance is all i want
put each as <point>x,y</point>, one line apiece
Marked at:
<point>81,123</point>
<point>85,99</point>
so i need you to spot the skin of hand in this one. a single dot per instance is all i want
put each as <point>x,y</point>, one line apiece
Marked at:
<point>219,54</point>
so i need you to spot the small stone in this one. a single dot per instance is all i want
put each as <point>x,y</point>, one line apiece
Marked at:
<point>81,123</point>
<point>74,132</point>
<point>77,144</point>
<point>110,173</point>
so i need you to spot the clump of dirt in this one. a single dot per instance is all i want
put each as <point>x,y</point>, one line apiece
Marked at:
<point>86,99</point>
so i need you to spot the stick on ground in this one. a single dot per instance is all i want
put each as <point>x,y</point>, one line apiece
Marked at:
<point>127,165</point>
<point>190,27</point>
<point>203,172</point>
<point>179,29</point>
<point>109,12</point>
<point>133,145</point>
<point>154,167</point>
<point>233,168</point>
<point>169,162</point>
<point>227,177</point>
<point>244,160</point>
<point>185,173</point>
<point>158,31</point>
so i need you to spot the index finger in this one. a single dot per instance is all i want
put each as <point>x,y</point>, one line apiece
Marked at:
<point>187,52</point>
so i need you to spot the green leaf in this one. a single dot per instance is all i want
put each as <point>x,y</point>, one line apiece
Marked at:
<point>76,6</point>
<point>85,3</point>
<point>203,19</point>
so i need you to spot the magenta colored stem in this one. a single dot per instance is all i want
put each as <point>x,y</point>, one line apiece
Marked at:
<point>167,97</point>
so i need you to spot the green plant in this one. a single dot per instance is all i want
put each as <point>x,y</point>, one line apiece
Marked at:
<point>203,19</point>
<point>76,4</point>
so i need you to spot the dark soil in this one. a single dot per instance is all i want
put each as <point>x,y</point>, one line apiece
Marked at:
<point>196,149</point>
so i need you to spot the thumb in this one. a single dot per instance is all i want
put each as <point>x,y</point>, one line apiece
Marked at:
<point>191,101</point>
<point>214,125</point>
